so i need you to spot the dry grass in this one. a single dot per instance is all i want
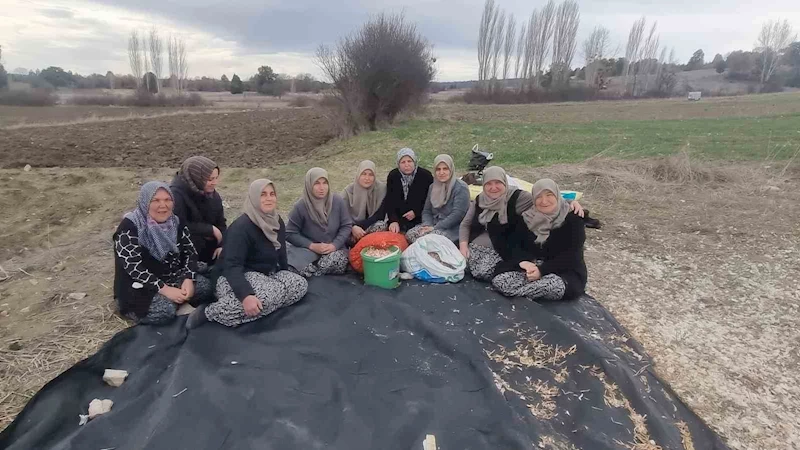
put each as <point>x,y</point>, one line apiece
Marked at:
<point>655,109</point>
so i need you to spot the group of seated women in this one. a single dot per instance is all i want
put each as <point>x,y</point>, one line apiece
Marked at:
<point>175,247</point>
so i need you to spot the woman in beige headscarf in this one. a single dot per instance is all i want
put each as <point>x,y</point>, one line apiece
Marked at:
<point>446,204</point>
<point>549,265</point>
<point>253,277</point>
<point>364,198</point>
<point>318,229</point>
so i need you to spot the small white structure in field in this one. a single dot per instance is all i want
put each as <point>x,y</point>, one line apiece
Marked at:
<point>695,96</point>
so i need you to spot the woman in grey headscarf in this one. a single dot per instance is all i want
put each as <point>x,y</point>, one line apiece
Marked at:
<point>406,190</point>
<point>549,265</point>
<point>364,198</point>
<point>490,221</point>
<point>155,260</point>
<point>253,277</point>
<point>318,229</point>
<point>446,204</point>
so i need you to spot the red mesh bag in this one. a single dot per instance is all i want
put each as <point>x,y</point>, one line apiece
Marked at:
<point>380,239</point>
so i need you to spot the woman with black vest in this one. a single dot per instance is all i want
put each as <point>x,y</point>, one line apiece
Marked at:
<point>489,232</point>
<point>550,265</point>
<point>155,262</point>
<point>199,206</point>
<point>406,191</point>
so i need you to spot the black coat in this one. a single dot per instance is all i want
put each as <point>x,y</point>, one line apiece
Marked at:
<point>138,276</point>
<point>248,250</point>
<point>200,213</point>
<point>561,254</point>
<point>396,205</point>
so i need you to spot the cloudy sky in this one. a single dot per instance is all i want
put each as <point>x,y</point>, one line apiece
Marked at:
<point>237,36</point>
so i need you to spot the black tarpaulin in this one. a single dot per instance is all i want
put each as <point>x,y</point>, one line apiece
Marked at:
<point>355,367</point>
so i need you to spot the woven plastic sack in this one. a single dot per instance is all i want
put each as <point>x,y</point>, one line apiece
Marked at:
<point>435,259</point>
<point>380,239</point>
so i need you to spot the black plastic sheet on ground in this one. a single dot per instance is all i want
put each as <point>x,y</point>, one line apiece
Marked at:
<point>355,367</point>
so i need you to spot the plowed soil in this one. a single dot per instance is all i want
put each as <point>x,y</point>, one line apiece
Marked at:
<point>237,139</point>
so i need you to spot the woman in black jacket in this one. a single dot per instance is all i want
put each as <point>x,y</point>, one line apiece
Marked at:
<point>406,192</point>
<point>155,262</point>
<point>549,264</point>
<point>253,279</point>
<point>199,206</point>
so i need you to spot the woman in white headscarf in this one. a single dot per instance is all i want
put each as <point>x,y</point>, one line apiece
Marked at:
<point>253,277</point>
<point>446,204</point>
<point>364,199</point>
<point>406,190</point>
<point>318,229</point>
<point>550,264</point>
<point>155,262</point>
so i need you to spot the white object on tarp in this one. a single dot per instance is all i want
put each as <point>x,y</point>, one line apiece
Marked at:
<point>98,407</point>
<point>418,261</point>
<point>429,443</point>
<point>114,377</point>
<point>695,95</point>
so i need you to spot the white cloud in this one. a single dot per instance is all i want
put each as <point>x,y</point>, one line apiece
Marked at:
<point>238,36</point>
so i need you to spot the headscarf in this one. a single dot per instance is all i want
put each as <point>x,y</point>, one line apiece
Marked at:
<point>498,206</point>
<point>158,238</point>
<point>540,223</point>
<point>441,191</point>
<point>318,208</point>
<point>364,202</point>
<point>195,172</point>
<point>406,179</point>
<point>268,222</point>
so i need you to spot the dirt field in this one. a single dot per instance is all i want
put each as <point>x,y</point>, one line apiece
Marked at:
<point>242,139</point>
<point>697,260</point>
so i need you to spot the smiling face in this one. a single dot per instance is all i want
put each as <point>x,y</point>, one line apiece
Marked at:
<point>160,206</point>
<point>443,172</point>
<point>320,188</point>
<point>494,189</point>
<point>366,179</point>
<point>211,183</point>
<point>546,202</point>
<point>269,199</point>
<point>407,165</point>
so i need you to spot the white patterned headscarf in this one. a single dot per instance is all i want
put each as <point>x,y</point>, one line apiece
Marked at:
<point>158,238</point>
<point>406,179</point>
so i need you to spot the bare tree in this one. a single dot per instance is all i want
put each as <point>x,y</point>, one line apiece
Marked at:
<point>135,56</point>
<point>485,38</point>
<point>633,51</point>
<point>595,48</point>
<point>497,44</point>
<point>178,65</point>
<point>565,31</point>
<point>775,36</point>
<point>156,55</point>
<point>541,33</point>
<point>508,44</point>
<point>650,50</point>
<point>523,39</point>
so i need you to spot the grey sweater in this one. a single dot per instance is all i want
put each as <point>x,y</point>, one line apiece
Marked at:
<point>301,231</point>
<point>524,203</point>
<point>447,218</point>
